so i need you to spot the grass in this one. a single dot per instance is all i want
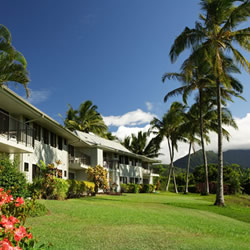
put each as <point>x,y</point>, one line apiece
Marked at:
<point>145,221</point>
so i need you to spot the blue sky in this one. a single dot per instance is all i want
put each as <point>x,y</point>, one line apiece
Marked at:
<point>113,52</point>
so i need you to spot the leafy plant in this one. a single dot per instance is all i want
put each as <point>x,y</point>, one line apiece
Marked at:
<point>11,178</point>
<point>98,175</point>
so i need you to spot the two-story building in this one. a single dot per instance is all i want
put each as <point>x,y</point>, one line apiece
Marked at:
<point>34,136</point>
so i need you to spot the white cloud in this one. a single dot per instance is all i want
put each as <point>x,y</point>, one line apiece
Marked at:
<point>240,139</point>
<point>124,131</point>
<point>38,96</point>
<point>133,118</point>
<point>149,106</point>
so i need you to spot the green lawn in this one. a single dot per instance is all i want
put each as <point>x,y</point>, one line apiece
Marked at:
<point>145,221</point>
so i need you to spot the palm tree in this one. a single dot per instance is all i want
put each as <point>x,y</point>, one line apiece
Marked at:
<point>85,119</point>
<point>12,62</point>
<point>190,130</point>
<point>210,40</point>
<point>141,145</point>
<point>169,127</point>
<point>201,79</point>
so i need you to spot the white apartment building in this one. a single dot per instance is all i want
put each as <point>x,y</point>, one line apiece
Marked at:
<point>34,136</point>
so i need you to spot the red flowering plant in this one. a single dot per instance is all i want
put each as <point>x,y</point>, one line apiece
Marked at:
<point>13,235</point>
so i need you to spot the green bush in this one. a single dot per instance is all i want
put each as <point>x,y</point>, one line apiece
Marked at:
<point>60,189</point>
<point>11,178</point>
<point>148,188</point>
<point>124,188</point>
<point>133,188</point>
<point>79,188</point>
<point>89,187</point>
<point>35,209</point>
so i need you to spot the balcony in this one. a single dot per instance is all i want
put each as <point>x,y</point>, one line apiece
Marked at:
<point>15,136</point>
<point>79,161</point>
<point>146,171</point>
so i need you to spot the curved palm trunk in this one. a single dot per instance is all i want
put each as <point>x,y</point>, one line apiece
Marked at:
<point>188,166</point>
<point>206,192</point>
<point>170,168</point>
<point>220,189</point>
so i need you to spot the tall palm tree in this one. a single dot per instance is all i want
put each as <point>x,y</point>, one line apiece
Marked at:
<point>201,78</point>
<point>12,63</point>
<point>85,119</point>
<point>169,127</point>
<point>210,40</point>
<point>190,130</point>
<point>141,145</point>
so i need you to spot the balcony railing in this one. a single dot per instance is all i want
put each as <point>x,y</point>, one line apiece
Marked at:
<point>146,171</point>
<point>85,160</point>
<point>13,129</point>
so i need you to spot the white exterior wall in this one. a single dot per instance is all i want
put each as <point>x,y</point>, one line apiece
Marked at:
<point>96,156</point>
<point>48,154</point>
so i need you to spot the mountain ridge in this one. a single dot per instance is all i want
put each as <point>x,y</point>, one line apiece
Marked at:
<point>232,156</point>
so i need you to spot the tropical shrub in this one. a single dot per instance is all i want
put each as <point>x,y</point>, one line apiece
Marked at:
<point>124,188</point>
<point>13,235</point>
<point>60,189</point>
<point>47,185</point>
<point>35,209</point>
<point>134,188</point>
<point>89,187</point>
<point>147,188</point>
<point>11,178</point>
<point>98,175</point>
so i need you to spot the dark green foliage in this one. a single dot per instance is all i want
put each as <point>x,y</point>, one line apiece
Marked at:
<point>141,145</point>
<point>231,177</point>
<point>11,178</point>
<point>245,181</point>
<point>35,209</point>
<point>137,188</point>
<point>147,188</point>
<point>124,188</point>
<point>47,185</point>
<point>133,188</point>
<point>76,189</point>
<point>191,189</point>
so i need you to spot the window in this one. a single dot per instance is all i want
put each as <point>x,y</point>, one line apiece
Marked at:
<point>131,180</point>
<point>35,171</point>
<point>45,136</point>
<point>4,118</point>
<point>37,132</point>
<point>26,166</point>
<point>65,142</point>
<point>52,139</point>
<point>126,160</point>
<point>71,176</point>
<point>65,173</point>
<point>60,143</point>
<point>71,150</point>
<point>124,180</point>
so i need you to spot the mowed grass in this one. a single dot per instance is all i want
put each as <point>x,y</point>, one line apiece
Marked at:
<point>145,221</point>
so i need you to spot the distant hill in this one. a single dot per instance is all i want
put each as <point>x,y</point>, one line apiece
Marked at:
<point>237,156</point>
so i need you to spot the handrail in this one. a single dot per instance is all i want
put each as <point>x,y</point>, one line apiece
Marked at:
<point>14,129</point>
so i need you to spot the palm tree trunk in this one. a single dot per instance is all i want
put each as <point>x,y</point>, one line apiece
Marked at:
<point>188,165</point>
<point>206,192</point>
<point>220,189</point>
<point>170,167</point>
